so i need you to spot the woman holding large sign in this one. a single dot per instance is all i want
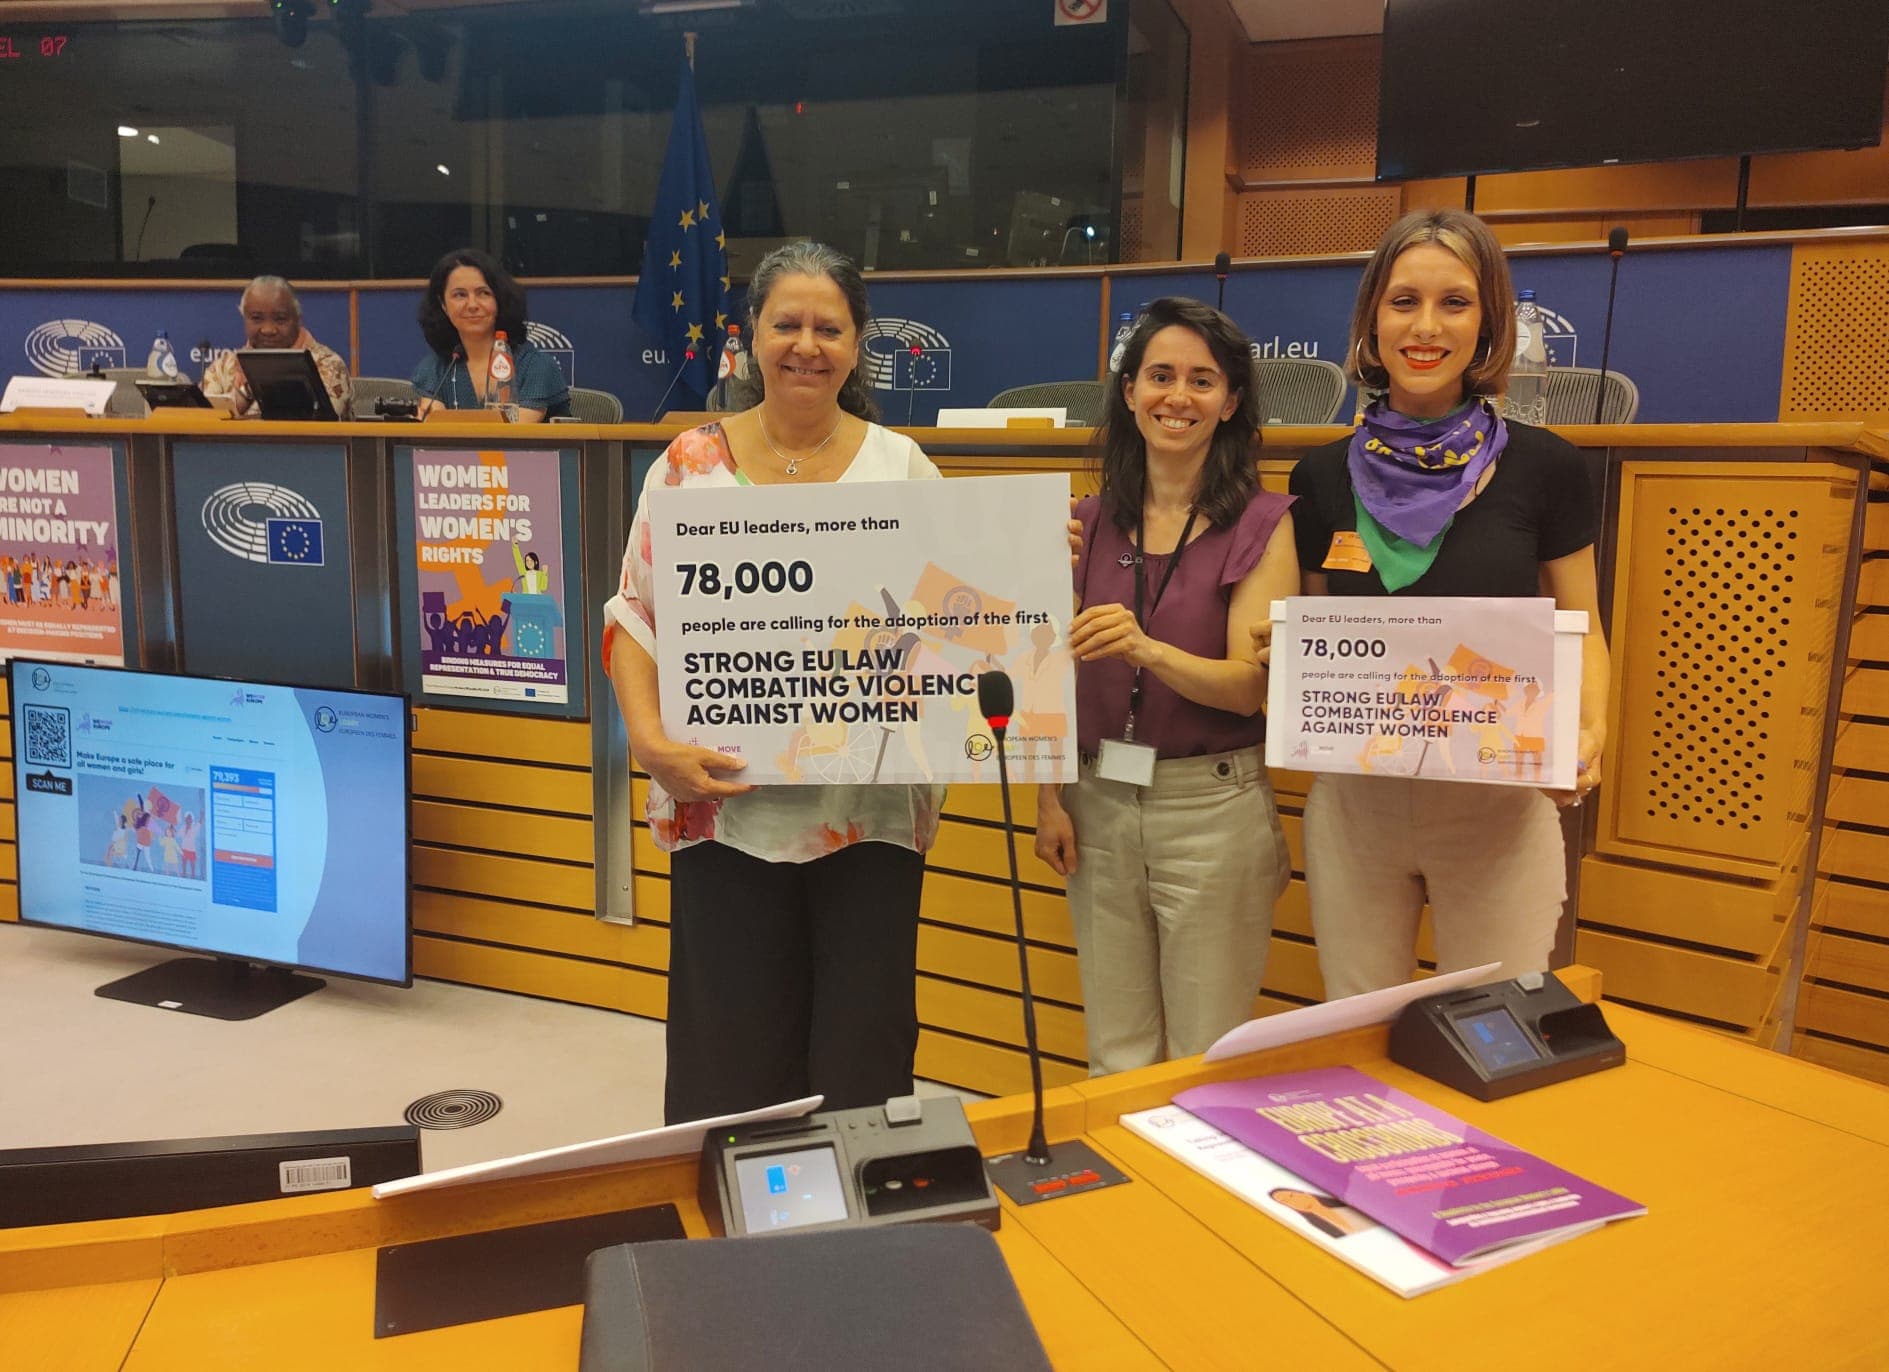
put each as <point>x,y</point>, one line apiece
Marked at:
<point>1434,494</point>
<point>793,933</point>
<point>1170,839</point>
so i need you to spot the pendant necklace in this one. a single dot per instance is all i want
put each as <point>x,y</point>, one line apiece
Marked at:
<point>793,463</point>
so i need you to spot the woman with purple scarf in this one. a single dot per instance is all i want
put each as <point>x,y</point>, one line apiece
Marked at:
<point>1435,494</point>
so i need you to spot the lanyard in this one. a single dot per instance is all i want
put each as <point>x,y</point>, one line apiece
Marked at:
<point>1141,592</point>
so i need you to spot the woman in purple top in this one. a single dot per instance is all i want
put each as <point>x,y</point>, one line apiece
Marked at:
<point>1170,839</point>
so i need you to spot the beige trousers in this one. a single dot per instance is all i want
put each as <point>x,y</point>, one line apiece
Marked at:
<point>1488,859</point>
<point>1172,902</point>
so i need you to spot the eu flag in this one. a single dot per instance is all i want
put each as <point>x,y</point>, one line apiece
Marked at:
<point>681,297</point>
<point>294,541</point>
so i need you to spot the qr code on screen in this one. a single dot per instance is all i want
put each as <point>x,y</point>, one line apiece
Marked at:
<point>48,735</point>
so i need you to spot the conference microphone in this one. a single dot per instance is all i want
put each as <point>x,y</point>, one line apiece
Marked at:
<point>996,699</point>
<point>440,385</point>
<point>1034,1174</point>
<point>1221,262</point>
<point>688,356</point>
<point>1616,249</point>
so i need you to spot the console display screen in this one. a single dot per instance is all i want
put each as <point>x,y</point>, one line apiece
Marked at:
<point>1496,1040</point>
<point>788,1190</point>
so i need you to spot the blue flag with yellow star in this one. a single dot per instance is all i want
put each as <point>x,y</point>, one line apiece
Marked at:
<point>682,295</point>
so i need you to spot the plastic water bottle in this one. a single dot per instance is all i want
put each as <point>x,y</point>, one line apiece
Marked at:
<point>162,363</point>
<point>1528,375</point>
<point>499,394</point>
<point>1122,330</point>
<point>734,357</point>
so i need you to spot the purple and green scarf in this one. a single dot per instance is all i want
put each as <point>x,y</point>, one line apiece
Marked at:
<point>1410,476</point>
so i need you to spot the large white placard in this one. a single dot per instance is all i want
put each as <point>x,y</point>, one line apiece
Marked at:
<point>835,632</point>
<point>1451,688</point>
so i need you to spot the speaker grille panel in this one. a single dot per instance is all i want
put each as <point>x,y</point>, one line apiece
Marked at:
<point>1725,613</point>
<point>1308,111</point>
<point>1836,340</point>
<point>1286,223</point>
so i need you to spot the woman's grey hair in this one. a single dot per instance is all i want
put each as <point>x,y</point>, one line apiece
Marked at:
<point>817,259</point>
<point>271,283</point>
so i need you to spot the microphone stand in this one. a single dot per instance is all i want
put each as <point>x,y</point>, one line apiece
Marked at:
<point>1037,1151</point>
<point>1035,1174</point>
<point>1607,334</point>
<point>687,358</point>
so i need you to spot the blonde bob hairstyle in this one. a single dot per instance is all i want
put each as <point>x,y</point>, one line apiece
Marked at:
<point>1475,246</point>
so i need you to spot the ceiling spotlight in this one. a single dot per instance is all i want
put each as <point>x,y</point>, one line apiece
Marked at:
<point>443,169</point>
<point>291,20</point>
<point>150,138</point>
<point>126,131</point>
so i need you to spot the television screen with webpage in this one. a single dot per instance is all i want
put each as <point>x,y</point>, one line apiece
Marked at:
<point>257,822</point>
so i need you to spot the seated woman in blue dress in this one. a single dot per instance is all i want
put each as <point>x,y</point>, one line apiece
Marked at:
<point>470,300</point>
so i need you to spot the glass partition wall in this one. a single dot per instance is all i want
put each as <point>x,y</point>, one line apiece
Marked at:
<point>361,140</point>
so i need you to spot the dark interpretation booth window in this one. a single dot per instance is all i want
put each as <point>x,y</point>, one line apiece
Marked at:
<point>364,140</point>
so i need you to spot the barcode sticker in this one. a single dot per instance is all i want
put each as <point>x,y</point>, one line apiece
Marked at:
<point>316,1174</point>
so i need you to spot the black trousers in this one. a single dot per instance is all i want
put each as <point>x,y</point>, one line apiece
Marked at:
<point>791,978</point>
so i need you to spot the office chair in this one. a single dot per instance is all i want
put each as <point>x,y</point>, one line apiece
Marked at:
<point>1571,392</point>
<point>1299,390</point>
<point>1081,399</point>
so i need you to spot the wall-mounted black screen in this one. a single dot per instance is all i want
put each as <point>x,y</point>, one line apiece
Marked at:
<point>1473,86</point>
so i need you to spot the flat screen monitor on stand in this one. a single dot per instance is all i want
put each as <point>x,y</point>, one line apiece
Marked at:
<point>287,384</point>
<point>265,825</point>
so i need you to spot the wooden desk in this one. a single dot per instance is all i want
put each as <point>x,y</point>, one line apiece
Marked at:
<point>1767,1180</point>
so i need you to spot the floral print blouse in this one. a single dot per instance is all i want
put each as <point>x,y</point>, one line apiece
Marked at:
<point>773,823</point>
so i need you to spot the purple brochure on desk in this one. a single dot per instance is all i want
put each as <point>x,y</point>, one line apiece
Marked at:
<point>1453,1191</point>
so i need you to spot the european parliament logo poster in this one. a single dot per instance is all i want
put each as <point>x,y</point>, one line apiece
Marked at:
<point>59,534</point>
<point>489,549</point>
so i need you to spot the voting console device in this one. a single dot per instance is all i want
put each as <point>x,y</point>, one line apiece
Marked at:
<point>1505,1038</point>
<point>910,1159</point>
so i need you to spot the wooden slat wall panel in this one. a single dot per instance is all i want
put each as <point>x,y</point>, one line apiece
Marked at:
<point>1844,993</point>
<point>643,944</point>
<point>982,1013</point>
<point>502,831</point>
<point>542,974</point>
<point>985,1067</point>
<point>1872,1063</point>
<point>1866,692</point>
<point>1684,905</point>
<point>1854,908</point>
<point>502,783</point>
<point>1857,853</point>
<point>506,878</point>
<point>985,904</point>
<point>1872,582</point>
<point>992,962</point>
<point>472,733</point>
<point>1860,800</point>
<point>1869,638</point>
<point>1853,962</point>
<point>986,803</point>
<point>1841,1013</point>
<point>1679,979</point>
<point>1863,747</point>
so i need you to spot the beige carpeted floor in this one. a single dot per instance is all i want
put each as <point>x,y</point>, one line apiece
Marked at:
<point>78,1068</point>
